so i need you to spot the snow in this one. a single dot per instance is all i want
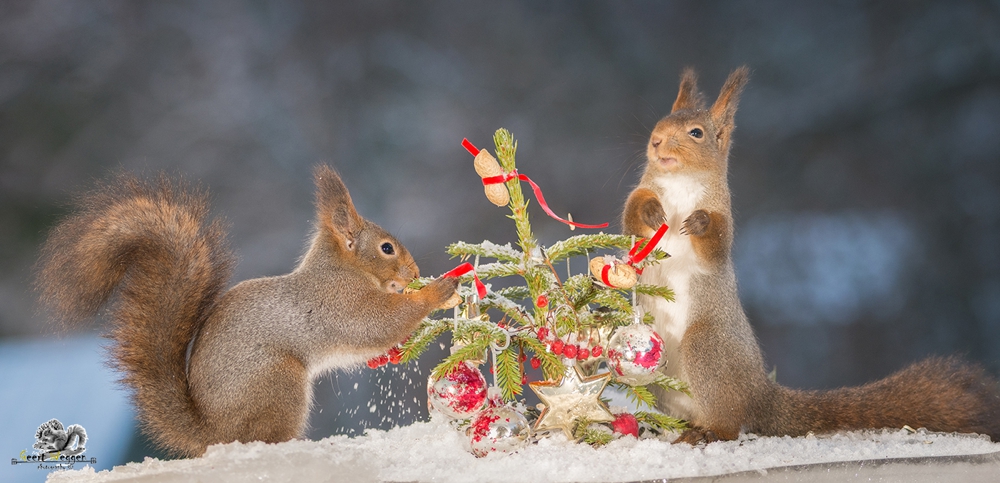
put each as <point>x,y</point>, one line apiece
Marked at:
<point>433,451</point>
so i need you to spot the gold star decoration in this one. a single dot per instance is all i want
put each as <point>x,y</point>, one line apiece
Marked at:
<point>572,398</point>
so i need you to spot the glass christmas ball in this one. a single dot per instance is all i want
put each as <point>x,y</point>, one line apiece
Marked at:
<point>498,429</point>
<point>635,352</point>
<point>458,395</point>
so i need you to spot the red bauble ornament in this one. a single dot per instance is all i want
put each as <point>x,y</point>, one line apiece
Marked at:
<point>459,394</point>
<point>626,424</point>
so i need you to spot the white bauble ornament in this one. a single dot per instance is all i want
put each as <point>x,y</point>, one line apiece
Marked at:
<point>635,352</point>
<point>459,394</point>
<point>498,429</point>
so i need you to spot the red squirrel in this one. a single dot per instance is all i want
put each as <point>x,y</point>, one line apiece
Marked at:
<point>706,331</point>
<point>149,252</point>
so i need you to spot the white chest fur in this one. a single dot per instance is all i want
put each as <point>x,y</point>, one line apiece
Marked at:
<point>681,195</point>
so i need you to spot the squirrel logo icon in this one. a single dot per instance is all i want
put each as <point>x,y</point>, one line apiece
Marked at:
<point>52,438</point>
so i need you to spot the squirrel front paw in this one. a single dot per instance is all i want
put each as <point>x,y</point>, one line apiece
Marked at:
<point>440,290</point>
<point>696,224</point>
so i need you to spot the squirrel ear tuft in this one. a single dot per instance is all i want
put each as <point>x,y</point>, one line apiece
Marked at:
<point>335,208</point>
<point>723,112</point>
<point>688,96</point>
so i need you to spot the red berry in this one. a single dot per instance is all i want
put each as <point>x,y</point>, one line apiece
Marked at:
<point>542,301</point>
<point>524,379</point>
<point>395,355</point>
<point>625,424</point>
<point>569,351</point>
<point>543,332</point>
<point>596,351</point>
<point>536,363</point>
<point>557,347</point>
<point>523,357</point>
<point>376,362</point>
<point>583,354</point>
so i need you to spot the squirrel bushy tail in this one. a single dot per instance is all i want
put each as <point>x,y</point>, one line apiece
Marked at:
<point>940,393</point>
<point>151,247</point>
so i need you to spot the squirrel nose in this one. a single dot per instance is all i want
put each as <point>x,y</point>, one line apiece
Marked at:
<point>395,286</point>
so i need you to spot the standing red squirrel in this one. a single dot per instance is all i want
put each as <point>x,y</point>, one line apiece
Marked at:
<point>713,347</point>
<point>255,349</point>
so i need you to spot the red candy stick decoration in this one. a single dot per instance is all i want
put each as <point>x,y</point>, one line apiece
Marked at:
<point>464,269</point>
<point>534,187</point>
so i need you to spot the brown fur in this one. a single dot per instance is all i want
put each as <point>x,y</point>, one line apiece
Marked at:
<point>685,182</point>
<point>149,248</point>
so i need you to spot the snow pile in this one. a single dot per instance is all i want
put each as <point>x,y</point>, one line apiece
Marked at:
<point>432,451</point>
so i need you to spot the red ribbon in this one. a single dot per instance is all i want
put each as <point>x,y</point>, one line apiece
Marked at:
<point>470,147</point>
<point>604,275</point>
<point>534,187</point>
<point>634,257</point>
<point>464,269</point>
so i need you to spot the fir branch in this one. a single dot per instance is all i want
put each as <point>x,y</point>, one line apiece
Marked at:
<point>614,300</point>
<point>582,244</point>
<point>511,309</point>
<point>661,422</point>
<point>503,253</point>
<point>594,434</point>
<point>552,365</point>
<point>487,271</point>
<point>517,292</point>
<point>506,150</point>
<point>428,331</point>
<point>509,373</point>
<point>637,394</point>
<point>469,330</point>
<point>655,291</point>
<point>669,383</point>
<point>472,351</point>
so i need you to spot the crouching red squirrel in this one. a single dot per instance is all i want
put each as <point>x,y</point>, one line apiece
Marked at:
<point>148,250</point>
<point>684,184</point>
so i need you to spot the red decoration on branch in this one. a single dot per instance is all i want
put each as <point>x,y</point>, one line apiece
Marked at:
<point>490,180</point>
<point>634,257</point>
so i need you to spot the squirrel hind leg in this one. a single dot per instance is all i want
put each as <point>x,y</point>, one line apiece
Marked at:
<point>695,436</point>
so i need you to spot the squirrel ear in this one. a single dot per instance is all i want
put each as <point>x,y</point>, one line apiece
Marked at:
<point>723,112</point>
<point>688,96</point>
<point>335,208</point>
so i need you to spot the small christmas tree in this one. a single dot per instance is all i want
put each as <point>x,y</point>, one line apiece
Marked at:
<point>565,327</point>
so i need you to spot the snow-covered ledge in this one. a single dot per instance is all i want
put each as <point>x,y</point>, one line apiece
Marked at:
<point>432,451</point>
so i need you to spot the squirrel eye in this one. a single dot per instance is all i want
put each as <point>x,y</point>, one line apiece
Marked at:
<point>696,133</point>
<point>387,248</point>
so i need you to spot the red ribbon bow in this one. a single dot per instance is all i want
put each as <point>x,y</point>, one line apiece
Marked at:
<point>464,269</point>
<point>635,255</point>
<point>534,187</point>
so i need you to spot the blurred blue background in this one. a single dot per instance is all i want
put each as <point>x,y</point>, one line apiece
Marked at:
<point>865,168</point>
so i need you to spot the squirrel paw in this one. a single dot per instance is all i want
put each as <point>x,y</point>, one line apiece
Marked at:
<point>696,436</point>
<point>440,290</point>
<point>696,224</point>
<point>652,215</point>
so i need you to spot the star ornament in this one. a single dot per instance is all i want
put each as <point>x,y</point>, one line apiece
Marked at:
<point>570,399</point>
